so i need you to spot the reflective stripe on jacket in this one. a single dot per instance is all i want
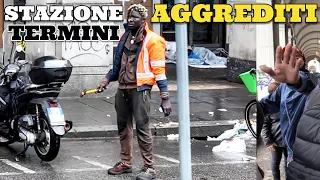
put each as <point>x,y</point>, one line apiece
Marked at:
<point>150,62</point>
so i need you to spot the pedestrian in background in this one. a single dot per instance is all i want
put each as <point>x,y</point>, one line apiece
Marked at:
<point>139,63</point>
<point>271,134</point>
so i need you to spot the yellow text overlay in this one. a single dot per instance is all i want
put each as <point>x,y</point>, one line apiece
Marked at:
<point>242,13</point>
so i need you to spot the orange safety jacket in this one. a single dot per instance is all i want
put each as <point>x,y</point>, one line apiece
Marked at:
<point>149,64</point>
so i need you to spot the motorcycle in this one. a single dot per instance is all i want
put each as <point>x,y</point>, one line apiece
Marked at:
<point>29,106</point>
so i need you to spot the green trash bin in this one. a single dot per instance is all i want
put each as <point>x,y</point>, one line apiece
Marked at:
<point>250,81</point>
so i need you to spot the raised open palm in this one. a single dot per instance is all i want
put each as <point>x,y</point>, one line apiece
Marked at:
<point>286,69</point>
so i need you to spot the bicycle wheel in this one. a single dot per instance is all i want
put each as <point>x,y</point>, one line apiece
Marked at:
<point>251,117</point>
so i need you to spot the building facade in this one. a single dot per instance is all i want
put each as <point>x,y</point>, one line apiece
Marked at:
<point>91,60</point>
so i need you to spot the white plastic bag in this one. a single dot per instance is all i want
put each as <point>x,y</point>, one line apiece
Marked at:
<point>173,137</point>
<point>234,145</point>
<point>228,134</point>
<point>243,126</point>
<point>212,139</point>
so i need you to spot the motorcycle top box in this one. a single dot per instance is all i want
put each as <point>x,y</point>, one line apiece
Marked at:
<point>49,69</point>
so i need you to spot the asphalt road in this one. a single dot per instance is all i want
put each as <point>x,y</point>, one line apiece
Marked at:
<point>89,159</point>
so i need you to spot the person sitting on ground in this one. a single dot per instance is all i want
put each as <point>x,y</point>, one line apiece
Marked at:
<point>286,100</point>
<point>271,134</point>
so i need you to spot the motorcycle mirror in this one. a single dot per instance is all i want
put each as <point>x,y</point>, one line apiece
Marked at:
<point>19,48</point>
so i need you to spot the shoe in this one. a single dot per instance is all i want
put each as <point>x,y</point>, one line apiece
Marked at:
<point>119,168</point>
<point>146,174</point>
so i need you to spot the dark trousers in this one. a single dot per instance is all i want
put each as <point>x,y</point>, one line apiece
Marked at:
<point>129,104</point>
<point>276,157</point>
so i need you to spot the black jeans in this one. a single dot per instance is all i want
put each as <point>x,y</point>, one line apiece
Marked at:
<point>276,157</point>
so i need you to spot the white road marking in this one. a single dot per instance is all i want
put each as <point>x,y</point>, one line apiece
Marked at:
<point>103,167</point>
<point>203,164</point>
<point>232,162</point>
<point>167,158</point>
<point>250,157</point>
<point>63,171</point>
<point>84,169</point>
<point>10,174</point>
<point>92,162</point>
<point>206,164</point>
<point>17,166</point>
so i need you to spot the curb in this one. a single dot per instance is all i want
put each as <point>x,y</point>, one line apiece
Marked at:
<point>197,129</point>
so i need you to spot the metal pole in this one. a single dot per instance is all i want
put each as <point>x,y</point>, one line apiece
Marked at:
<point>1,22</point>
<point>183,98</point>
<point>124,10</point>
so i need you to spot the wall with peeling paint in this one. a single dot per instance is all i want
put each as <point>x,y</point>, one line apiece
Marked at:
<point>241,38</point>
<point>91,60</point>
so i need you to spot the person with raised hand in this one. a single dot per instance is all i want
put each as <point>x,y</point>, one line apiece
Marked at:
<point>305,164</point>
<point>290,97</point>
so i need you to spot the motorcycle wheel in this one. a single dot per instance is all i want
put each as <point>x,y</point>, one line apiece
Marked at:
<point>5,142</point>
<point>49,148</point>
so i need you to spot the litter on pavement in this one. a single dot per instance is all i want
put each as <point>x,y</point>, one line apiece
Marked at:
<point>233,145</point>
<point>233,140</point>
<point>233,121</point>
<point>169,124</point>
<point>212,139</point>
<point>173,137</point>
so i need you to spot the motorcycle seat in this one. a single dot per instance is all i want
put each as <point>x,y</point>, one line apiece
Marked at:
<point>41,86</point>
<point>33,86</point>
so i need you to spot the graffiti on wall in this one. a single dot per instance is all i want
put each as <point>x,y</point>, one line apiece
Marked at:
<point>263,80</point>
<point>87,45</point>
<point>87,53</point>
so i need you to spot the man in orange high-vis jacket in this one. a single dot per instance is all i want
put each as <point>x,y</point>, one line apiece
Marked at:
<point>139,63</point>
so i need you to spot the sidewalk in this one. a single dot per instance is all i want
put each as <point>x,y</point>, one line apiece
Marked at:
<point>97,117</point>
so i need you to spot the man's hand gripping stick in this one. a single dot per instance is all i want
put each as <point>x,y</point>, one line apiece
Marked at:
<point>91,91</point>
